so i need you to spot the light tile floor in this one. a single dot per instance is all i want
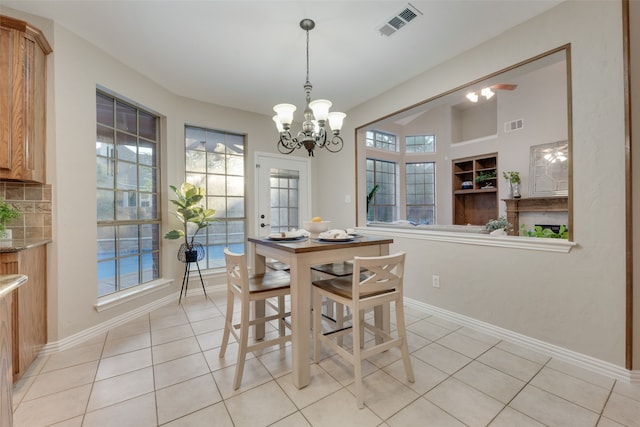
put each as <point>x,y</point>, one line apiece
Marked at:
<point>164,369</point>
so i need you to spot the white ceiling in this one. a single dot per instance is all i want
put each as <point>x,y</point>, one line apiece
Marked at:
<point>251,54</point>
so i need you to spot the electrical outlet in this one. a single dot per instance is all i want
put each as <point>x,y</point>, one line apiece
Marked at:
<point>435,281</point>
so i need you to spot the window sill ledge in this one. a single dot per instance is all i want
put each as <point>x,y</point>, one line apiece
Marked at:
<point>470,238</point>
<point>111,301</point>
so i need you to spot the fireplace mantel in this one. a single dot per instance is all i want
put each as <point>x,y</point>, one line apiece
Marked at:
<point>533,204</point>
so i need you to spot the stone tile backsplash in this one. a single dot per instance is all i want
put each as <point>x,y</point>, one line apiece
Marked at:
<point>34,201</point>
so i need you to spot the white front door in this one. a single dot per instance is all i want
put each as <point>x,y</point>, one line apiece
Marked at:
<point>283,192</point>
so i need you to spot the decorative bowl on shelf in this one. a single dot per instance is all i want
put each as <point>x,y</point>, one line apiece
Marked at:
<point>467,185</point>
<point>316,227</point>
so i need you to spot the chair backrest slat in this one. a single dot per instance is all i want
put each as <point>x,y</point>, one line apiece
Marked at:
<point>236,265</point>
<point>384,273</point>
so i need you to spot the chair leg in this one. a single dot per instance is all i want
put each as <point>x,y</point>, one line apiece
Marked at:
<point>357,356</point>
<point>281,310</point>
<point>228,324</point>
<point>317,324</point>
<point>402,333</point>
<point>339,319</point>
<point>361,317</point>
<point>242,350</point>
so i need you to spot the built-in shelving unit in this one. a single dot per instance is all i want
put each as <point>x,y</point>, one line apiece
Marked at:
<point>475,200</point>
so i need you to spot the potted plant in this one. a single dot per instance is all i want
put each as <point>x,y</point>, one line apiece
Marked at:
<point>7,213</point>
<point>538,231</point>
<point>498,227</point>
<point>514,182</point>
<point>485,176</point>
<point>189,211</point>
<point>370,196</point>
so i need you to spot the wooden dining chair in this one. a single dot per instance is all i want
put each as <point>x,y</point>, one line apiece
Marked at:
<point>261,287</point>
<point>381,284</point>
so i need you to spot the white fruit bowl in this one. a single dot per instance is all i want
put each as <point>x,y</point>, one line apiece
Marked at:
<point>316,227</point>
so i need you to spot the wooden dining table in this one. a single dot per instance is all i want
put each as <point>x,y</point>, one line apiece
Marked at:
<point>301,255</point>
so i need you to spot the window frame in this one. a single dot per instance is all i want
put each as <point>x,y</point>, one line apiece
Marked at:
<point>116,225</point>
<point>401,158</point>
<point>206,237</point>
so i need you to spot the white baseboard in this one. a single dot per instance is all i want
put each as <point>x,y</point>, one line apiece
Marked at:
<point>578,359</point>
<point>94,331</point>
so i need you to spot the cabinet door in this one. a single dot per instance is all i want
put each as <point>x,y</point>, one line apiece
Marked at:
<point>6,376</point>
<point>8,70</point>
<point>23,106</point>
<point>29,306</point>
<point>32,307</point>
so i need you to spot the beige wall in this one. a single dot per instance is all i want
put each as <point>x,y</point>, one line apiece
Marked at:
<point>75,68</point>
<point>575,300</point>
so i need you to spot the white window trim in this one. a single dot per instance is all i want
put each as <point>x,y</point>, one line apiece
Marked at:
<point>117,298</point>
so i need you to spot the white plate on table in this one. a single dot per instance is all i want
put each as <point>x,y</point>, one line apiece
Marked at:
<point>285,239</point>
<point>337,239</point>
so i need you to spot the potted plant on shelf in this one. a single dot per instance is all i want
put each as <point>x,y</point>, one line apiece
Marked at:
<point>514,182</point>
<point>485,176</point>
<point>189,211</point>
<point>498,227</point>
<point>7,213</point>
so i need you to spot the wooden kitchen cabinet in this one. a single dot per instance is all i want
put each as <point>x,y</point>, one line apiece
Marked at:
<point>23,51</point>
<point>6,373</point>
<point>29,305</point>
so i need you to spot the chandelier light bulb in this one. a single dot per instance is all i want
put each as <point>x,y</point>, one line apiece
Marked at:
<point>472,96</point>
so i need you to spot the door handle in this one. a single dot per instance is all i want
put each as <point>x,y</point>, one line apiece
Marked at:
<point>263,225</point>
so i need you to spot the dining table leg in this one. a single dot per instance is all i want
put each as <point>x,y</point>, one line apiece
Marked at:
<point>301,321</point>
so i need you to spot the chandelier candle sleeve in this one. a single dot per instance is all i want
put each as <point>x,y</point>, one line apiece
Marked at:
<point>316,115</point>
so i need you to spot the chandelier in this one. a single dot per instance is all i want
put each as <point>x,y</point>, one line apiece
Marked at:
<point>316,115</point>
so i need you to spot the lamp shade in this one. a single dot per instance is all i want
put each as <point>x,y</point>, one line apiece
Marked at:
<point>285,113</point>
<point>335,120</point>
<point>278,124</point>
<point>320,108</point>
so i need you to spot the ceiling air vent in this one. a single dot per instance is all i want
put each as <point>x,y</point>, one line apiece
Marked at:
<point>398,21</point>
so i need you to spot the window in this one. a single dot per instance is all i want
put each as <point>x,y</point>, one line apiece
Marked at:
<point>127,195</point>
<point>214,160</point>
<point>421,144</point>
<point>420,192</point>
<point>383,205</point>
<point>284,199</point>
<point>381,140</point>
<point>404,175</point>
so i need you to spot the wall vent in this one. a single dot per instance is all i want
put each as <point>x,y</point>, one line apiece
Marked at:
<point>513,125</point>
<point>399,20</point>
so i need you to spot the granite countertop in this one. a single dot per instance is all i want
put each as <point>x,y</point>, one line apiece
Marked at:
<point>16,245</point>
<point>10,282</point>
